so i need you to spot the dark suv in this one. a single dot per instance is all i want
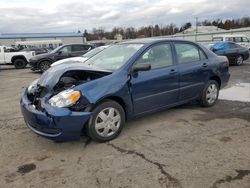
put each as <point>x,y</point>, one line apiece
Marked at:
<point>42,62</point>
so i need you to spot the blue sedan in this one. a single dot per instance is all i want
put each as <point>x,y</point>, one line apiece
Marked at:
<point>122,82</point>
<point>234,52</point>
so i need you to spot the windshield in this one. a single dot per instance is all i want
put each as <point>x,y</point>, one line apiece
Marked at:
<point>92,52</point>
<point>115,56</point>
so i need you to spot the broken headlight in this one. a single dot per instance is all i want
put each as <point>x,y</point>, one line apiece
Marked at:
<point>32,87</point>
<point>65,98</point>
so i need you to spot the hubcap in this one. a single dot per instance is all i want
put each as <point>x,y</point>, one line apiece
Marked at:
<point>212,92</point>
<point>44,66</point>
<point>107,122</point>
<point>239,60</point>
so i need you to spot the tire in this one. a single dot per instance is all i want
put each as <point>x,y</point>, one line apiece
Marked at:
<point>210,93</point>
<point>44,65</point>
<point>106,122</point>
<point>239,60</point>
<point>20,63</point>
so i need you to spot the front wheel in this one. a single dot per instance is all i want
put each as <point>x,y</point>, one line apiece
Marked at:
<point>107,121</point>
<point>210,93</point>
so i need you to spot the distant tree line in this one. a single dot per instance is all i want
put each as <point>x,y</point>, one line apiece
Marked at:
<point>160,30</point>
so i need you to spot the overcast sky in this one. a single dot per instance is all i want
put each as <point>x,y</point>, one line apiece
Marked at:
<point>74,15</point>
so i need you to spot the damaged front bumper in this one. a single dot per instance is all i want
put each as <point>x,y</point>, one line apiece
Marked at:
<point>58,124</point>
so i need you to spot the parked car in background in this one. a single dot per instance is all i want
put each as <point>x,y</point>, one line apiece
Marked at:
<point>239,39</point>
<point>36,50</point>
<point>124,81</point>
<point>19,59</point>
<point>43,61</point>
<point>234,52</point>
<point>82,58</point>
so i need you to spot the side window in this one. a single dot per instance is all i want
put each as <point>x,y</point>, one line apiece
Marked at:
<point>87,47</point>
<point>237,39</point>
<point>230,39</point>
<point>187,53</point>
<point>232,45</point>
<point>217,39</point>
<point>158,56</point>
<point>245,39</point>
<point>66,49</point>
<point>78,48</point>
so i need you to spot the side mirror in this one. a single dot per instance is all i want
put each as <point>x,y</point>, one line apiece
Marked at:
<point>141,67</point>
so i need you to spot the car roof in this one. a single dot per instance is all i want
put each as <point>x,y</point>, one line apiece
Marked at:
<point>153,40</point>
<point>229,36</point>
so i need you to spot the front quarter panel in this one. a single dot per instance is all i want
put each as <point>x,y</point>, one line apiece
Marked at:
<point>114,85</point>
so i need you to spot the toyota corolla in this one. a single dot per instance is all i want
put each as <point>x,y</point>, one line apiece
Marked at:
<point>122,82</point>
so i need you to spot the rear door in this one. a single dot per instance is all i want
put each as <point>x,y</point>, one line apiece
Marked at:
<point>193,67</point>
<point>159,86</point>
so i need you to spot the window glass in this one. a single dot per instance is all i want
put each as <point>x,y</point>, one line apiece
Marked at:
<point>66,49</point>
<point>158,56</point>
<point>77,48</point>
<point>187,53</point>
<point>237,39</point>
<point>87,47</point>
<point>217,39</point>
<point>229,39</point>
<point>245,39</point>
<point>202,55</point>
<point>232,45</point>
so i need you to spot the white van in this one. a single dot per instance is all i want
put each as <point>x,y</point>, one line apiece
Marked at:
<point>239,39</point>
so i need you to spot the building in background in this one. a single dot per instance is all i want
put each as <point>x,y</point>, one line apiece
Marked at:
<point>49,40</point>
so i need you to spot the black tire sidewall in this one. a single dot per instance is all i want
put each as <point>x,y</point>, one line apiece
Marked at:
<point>20,64</point>
<point>236,62</point>
<point>43,62</point>
<point>203,100</point>
<point>91,124</point>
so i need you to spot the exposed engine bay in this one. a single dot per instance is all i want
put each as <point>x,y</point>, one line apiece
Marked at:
<point>76,77</point>
<point>66,81</point>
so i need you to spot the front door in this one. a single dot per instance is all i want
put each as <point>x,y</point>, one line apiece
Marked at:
<point>159,86</point>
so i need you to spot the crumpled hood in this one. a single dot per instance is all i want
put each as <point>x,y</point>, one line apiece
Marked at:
<point>51,77</point>
<point>69,60</point>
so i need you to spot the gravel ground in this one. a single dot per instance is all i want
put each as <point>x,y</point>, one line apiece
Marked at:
<point>186,146</point>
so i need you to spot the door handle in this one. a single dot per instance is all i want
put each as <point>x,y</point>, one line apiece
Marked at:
<point>204,65</point>
<point>173,71</point>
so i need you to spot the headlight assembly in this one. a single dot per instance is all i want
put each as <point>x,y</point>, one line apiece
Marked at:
<point>65,98</point>
<point>32,87</point>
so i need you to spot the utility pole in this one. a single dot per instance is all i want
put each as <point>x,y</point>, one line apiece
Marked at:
<point>196,28</point>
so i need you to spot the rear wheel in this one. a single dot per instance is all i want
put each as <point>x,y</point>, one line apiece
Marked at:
<point>44,65</point>
<point>210,93</point>
<point>239,60</point>
<point>106,122</point>
<point>20,63</point>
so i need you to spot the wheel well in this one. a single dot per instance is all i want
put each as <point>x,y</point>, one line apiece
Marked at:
<point>45,60</point>
<point>118,100</point>
<point>217,79</point>
<point>18,57</point>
